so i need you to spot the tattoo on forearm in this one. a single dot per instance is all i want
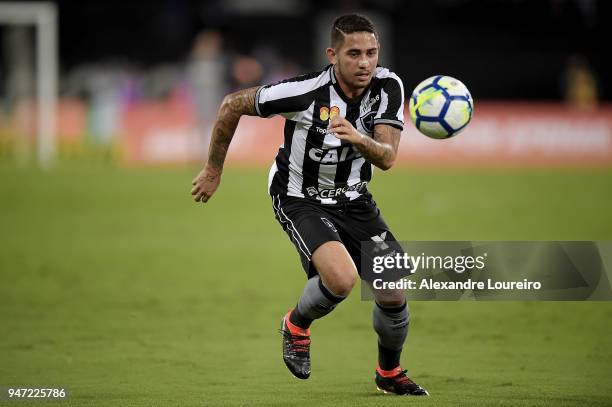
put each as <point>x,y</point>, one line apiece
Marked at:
<point>233,107</point>
<point>211,177</point>
<point>381,149</point>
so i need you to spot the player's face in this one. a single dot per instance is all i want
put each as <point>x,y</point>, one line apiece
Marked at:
<point>356,59</point>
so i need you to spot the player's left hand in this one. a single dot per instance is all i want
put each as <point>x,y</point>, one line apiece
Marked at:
<point>344,130</point>
<point>205,184</point>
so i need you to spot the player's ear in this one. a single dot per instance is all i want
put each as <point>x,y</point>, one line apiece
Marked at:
<point>331,55</point>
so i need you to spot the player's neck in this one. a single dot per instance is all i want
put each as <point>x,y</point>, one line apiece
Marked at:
<point>349,92</point>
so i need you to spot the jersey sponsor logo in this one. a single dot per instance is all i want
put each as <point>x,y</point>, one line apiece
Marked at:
<point>333,155</point>
<point>322,130</point>
<point>323,193</point>
<point>325,113</point>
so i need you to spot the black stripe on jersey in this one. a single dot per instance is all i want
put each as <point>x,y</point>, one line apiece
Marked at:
<point>310,168</point>
<point>352,111</point>
<point>375,90</point>
<point>343,170</point>
<point>291,104</point>
<point>366,172</point>
<point>281,178</point>
<point>394,103</point>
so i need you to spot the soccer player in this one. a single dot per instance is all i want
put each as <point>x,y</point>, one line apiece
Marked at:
<point>339,122</point>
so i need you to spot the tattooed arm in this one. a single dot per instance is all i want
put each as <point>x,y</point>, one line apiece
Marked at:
<point>380,150</point>
<point>232,108</point>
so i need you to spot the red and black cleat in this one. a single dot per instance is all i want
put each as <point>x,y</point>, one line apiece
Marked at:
<point>399,384</point>
<point>296,349</point>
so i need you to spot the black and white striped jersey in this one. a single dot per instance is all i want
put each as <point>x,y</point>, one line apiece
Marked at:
<point>312,163</point>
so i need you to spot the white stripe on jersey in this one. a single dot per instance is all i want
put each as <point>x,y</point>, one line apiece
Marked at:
<point>298,149</point>
<point>305,116</point>
<point>289,89</point>
<point>331,140</point>
<point>384,101</point>
<point>327,172</point>
<point>355,176</point>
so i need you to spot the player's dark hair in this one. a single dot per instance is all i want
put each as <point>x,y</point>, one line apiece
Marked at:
<point>348,24</point>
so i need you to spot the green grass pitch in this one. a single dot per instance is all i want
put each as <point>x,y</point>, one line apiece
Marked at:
<point>117,286</point>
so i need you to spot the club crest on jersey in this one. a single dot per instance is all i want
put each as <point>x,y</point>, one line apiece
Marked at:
<point>367,121</point>
<point>325,113</point>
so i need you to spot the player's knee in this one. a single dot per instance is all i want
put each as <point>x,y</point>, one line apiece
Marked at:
<point>390,299</point>
<point>343,282</point>
<point>391,303</point>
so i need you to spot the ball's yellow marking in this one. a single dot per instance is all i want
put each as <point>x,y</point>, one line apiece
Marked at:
<point>426,96</point>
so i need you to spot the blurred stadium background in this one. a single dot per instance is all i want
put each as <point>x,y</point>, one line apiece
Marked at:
<point>117,286</point>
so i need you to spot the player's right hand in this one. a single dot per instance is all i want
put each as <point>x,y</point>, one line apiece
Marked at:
<point>205,184</point>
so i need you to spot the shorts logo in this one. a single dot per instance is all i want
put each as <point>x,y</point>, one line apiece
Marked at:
<point>380,241</point>
<point>326,113</point>
<point>329,224</point>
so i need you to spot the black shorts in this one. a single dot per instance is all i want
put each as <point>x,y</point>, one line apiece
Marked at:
<point>310,224</point>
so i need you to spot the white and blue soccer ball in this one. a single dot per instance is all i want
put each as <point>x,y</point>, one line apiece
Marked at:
<point>441,107</point>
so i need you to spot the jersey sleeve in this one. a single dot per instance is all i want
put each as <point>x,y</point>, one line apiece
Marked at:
<point>391,108</point>
<point>286,98</point>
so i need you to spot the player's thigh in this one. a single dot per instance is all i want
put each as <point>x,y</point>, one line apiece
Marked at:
<point>335,267</point>
<point>366,234</point>
<point>317,241</point>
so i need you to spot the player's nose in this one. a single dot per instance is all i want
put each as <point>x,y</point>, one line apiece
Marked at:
<point>364,63</point>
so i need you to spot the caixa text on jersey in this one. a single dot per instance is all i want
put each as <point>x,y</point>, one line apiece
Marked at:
<point>333,155</point>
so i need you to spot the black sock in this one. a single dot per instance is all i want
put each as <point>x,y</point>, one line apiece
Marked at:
<point>299,320</point>
<point>388,359</point>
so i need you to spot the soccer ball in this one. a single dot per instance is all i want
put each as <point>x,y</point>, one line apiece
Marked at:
<point>440,107</point>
